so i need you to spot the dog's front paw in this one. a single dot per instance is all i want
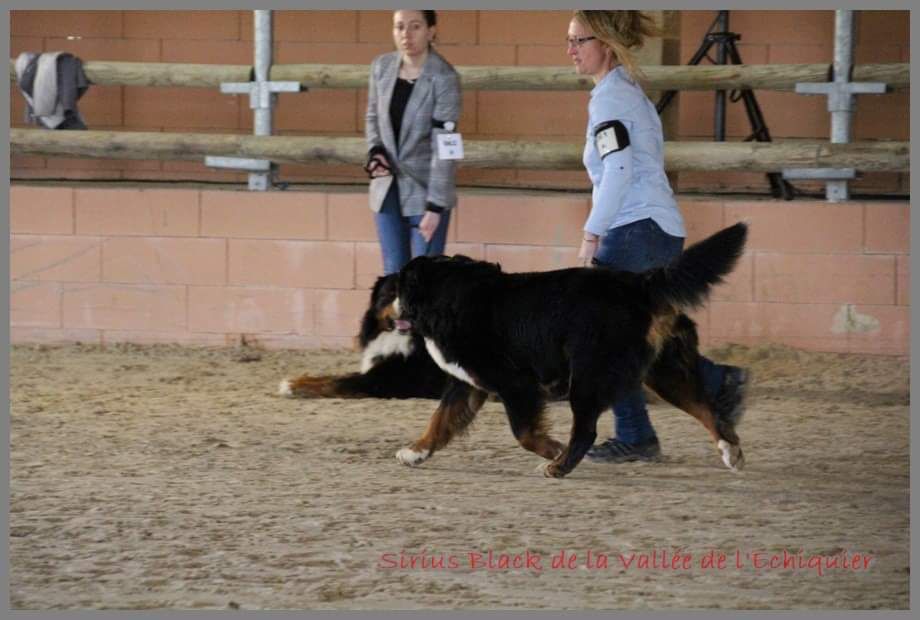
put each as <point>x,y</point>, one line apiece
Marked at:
<point>410,457</point>
<point>306,387</point>
<point>550,469</point>
<point>732,455</point>
<point>285,389</point>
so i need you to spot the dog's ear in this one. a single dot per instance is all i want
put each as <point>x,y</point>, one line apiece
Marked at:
<point>413,281</point>
<point>410,278</point>
<point>466,260</point>
<point>384,291</point>
<point>378,285</point>
<point>370,321</point>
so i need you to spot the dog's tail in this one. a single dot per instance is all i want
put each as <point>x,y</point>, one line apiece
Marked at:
<point>686,282</point>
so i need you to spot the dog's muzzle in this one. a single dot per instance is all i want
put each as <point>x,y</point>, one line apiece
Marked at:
<point>402,325</point>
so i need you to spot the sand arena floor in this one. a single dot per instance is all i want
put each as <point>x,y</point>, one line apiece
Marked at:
<point>171,477</point>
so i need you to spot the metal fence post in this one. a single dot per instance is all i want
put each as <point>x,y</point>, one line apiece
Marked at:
<point>262,96</point>
<point>840,103</point>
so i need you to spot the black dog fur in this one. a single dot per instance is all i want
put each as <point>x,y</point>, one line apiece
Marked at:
<point>592,332</point>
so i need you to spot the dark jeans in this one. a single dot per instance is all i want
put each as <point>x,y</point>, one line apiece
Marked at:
<point>637,247</point>
<point>400,240</point>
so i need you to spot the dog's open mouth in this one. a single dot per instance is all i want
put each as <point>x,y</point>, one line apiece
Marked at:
<point>402,325</point>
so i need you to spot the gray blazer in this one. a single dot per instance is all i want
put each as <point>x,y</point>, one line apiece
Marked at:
<point>421,175</point>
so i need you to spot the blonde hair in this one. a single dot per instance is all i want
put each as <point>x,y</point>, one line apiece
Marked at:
<point>622,32</point>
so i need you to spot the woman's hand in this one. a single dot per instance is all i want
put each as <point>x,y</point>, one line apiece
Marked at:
<point>381,169</point>
<point>428,225</point>
<point>587,250</point>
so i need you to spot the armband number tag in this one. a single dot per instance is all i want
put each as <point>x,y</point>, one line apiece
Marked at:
<point>450,146</point>
<point>610,138</point>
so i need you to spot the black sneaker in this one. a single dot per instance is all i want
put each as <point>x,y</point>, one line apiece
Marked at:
<point>615,451</point>
<point>729,403</point>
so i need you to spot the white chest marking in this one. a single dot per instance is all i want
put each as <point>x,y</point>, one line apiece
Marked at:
<point>449,367</point>
<point>385,345</point>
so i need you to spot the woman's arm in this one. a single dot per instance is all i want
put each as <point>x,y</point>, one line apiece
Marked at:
<point>442,172</point>
<point>371,126</point>
<point>611,180</point>
<point>375,146</point>
<point>607,196</point>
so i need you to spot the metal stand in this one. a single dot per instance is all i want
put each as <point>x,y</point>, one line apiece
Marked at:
<point>726,49</point>
<point>841,104</point>
<point>262,97</point>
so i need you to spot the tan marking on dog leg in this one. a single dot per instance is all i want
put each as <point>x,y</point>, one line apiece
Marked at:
<point>306,386</point>
<point>452,417</point>
<point>660,330</point>
<point>542,444</point>
<point>727,444</point>
<point>705,417</point>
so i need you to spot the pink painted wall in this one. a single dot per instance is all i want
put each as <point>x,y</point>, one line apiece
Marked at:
<point>292,269</point>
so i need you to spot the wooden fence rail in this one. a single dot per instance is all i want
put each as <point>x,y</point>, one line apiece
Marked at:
<point>657,77</point>
<point>679,156</point>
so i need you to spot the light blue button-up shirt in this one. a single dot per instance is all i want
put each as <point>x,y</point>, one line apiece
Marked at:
<point>629,185</point>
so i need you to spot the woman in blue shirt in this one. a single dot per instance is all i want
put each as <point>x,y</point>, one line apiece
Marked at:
<point>634,223</point>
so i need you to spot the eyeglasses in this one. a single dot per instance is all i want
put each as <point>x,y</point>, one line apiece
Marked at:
<point>578,41</point>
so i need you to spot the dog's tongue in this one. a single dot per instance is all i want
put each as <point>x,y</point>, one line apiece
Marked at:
<point>402,325</point>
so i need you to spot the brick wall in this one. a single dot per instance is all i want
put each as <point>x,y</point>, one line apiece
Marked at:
<point>466,38</point>
<point>293,269</point>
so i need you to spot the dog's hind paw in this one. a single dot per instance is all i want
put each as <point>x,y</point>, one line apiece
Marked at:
<point>410,457</point>
<point>732,455</point>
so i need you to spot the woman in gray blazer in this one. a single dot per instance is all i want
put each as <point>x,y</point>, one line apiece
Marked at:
<point>413,95</point>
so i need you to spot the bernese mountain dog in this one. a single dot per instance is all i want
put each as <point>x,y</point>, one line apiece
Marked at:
<point>393,364</point>
<point>591,332</point>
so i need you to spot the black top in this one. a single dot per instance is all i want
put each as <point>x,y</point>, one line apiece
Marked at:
<point>401,93</point>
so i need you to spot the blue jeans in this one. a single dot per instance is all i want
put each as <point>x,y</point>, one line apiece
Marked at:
<point>640,246</point>
<point>400,240</point>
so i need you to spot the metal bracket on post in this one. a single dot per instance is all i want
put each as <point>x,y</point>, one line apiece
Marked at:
<point>836,179</point>
<point>261,94</point>
<point>841,104</point>
<point>262,97</point>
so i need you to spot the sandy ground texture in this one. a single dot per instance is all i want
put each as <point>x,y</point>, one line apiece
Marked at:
<point>170,477</point>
